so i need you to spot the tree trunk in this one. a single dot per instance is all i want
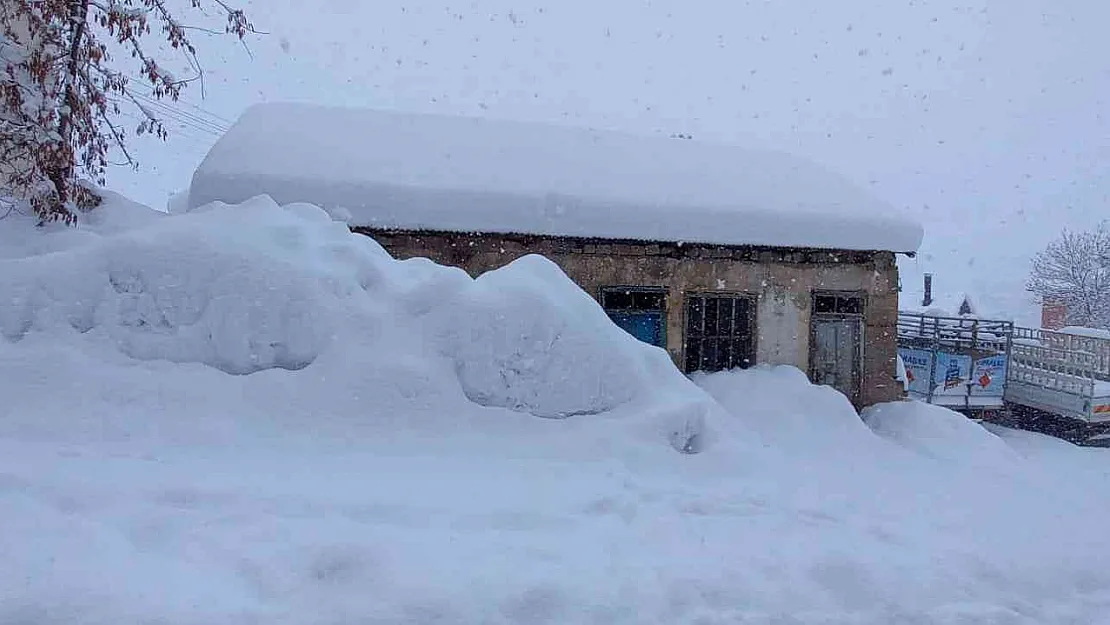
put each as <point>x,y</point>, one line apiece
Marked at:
<point>60,171</point>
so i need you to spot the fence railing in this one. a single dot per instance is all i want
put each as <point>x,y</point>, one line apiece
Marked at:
<point>1062,353</point>
<point>958,332</point>
<point>1055,380</point>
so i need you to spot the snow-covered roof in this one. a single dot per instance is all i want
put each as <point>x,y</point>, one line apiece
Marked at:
<point>944,305</point>
<point>1093,333</point>
<point>414,171</point>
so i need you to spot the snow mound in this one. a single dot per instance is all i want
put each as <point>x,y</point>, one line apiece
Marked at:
<point>241,290</point>
<point>411,171</point>
<point>521,336</point>
<point>781,404</point>
<point>178,203</point>
<point>253,287</point>
<point>21,237</point>
<point>939,433</point>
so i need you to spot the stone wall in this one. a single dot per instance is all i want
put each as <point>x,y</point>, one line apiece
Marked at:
<point>782,280</point>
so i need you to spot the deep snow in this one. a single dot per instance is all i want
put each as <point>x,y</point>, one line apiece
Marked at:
<point>395,470</point>
<point>390,169</point>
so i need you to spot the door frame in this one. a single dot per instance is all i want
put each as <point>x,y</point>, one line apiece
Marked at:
<point>858,353</point>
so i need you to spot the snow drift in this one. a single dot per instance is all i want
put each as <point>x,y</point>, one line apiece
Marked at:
<point>266,288</point>
<point>778,403</point>
<point>247,414</point>
<point>255,286</point>
<point>940,433</point>
<point>522,336</point>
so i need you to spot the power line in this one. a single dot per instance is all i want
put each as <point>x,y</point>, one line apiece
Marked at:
<point>167,116</point>
<point>203,119</point>
<point>179,113</point>
<point>162,110</point>
<point>182,116</point>
<point>149,91</point>
<point>177,132</point>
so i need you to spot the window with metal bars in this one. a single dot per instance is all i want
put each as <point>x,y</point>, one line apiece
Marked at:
<point>720,332</point>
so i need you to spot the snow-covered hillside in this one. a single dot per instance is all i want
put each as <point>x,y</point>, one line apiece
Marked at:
<point>246,414</point>
<point>971,116</point>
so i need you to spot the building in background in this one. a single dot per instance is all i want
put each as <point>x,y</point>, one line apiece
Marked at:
<point>1054,315</point>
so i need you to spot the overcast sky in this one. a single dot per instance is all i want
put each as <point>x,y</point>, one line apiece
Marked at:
<point>983,117</point>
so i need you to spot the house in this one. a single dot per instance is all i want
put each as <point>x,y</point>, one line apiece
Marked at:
<point>1054,314</point>
<point>943,304</point>
<point>950,305</point>
<point>725,257</point>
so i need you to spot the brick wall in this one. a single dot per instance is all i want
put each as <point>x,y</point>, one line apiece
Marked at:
<point>783,281</point>
<point>1054,315</point>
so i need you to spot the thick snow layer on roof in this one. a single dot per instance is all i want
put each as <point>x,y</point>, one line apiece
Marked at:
<point>408,171</point>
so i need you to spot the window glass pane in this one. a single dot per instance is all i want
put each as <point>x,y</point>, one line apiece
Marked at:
<point>722,354</point>
<point>849,305</point>
<point>745,356</point>
<point>709,355</point>
<point>711,316</point>
<point>728,354</point>
<point>740,316</point>
<point>647,300</point>
<point>693,356</point>
<point>615,299</point>
<point>824,304</point>
<point>694,316</point>
<point>725,309</point>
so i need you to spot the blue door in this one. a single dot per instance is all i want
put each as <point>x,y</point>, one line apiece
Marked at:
<point>646,326</point>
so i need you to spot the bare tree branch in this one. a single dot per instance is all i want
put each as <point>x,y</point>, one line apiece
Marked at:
<point>60,96</point>
<point>1073,271</point>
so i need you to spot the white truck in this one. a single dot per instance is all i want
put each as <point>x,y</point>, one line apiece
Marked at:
<point>1064,373</point>
<point>1056,382</point>
<point>956,362</point>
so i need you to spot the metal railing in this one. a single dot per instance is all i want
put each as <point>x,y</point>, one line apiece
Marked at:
<point>1061,353</point>
<point>958,332</point>
<point>974,351</point>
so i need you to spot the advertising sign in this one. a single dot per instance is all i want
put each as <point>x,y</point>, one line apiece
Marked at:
<point>918,363</point>
<point>952,373</point>
<point>989,376</point>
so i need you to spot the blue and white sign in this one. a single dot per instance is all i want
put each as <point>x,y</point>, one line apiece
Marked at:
<point>988,376</point>
<point>918,362</point>
<point>951,374</point>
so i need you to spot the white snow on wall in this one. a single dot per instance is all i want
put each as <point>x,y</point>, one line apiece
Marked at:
<point>408,171</point>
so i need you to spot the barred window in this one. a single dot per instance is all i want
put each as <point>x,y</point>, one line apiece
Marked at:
<point>720,332</point>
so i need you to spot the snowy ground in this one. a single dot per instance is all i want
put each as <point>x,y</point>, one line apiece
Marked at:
<point>247,415</point>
